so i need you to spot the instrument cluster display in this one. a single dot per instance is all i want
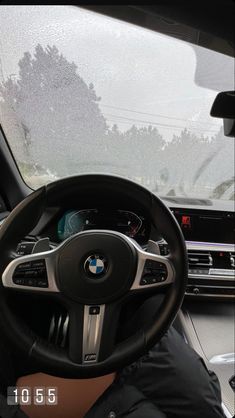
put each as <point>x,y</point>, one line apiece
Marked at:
<point>124,221</point>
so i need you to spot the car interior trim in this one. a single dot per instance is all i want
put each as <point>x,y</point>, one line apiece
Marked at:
<point>92,331</point>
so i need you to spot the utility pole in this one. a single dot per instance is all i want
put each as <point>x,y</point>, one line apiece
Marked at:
<point>1,72</point>
<point>2,78</point>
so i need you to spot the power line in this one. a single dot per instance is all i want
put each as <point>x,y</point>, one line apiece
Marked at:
<point>142,123</point>
<point>157,123</point>
<point>152,114</point>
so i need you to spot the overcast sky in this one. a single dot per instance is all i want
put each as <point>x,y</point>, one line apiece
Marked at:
<point>132,69</point>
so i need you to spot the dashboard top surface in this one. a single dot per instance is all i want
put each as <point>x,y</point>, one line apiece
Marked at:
<point>197,225</point>
<point>201,220</point>
<point>199,204</point>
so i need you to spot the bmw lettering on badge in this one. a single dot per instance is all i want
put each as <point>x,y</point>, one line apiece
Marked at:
<point>96,266</point>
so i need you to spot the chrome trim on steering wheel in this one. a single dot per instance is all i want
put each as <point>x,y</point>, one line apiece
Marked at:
<point>92,332</point>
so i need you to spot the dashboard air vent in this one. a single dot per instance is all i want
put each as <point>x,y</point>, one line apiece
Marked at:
<point>199,259</point>
<point>232,259</point>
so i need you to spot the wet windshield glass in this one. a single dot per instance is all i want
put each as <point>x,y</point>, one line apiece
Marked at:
<point>81,92</point>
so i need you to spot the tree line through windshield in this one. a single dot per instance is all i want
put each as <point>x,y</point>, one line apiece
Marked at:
<point>58,128</point>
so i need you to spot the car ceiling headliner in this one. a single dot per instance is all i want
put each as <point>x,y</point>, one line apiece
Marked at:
<point>206,23</point>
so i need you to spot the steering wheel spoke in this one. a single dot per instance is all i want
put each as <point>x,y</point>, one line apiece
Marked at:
<point>32,273</point>
<point>153,270</point>
<point>93,322</point>
<point>92,332</point>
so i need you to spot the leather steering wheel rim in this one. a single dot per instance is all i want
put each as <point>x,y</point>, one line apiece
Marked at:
<point>22,220</point>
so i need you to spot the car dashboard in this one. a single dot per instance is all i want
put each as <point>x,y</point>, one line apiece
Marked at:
<point>208,232</point>
<point>209,236</point>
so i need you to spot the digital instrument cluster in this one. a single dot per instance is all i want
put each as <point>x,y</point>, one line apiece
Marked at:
<point>124,221</point>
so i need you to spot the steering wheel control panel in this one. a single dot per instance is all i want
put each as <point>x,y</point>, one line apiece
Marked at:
<point>154,272</point>
<point>33,273</point>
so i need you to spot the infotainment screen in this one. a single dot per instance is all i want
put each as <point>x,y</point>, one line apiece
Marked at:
<point>206,227</point>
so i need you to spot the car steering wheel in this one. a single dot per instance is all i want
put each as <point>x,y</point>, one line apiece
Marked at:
<point>93,273</point>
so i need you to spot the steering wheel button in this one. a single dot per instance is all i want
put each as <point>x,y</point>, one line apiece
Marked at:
<point>42,283</point>
<point>94,310</point>
<point>25,248</point>
<point>146,280</point>
<point>18,280</point>
<point>41,273</point>
<point>157,272</point>
<point>149,264</point>
<point>30,273</point>
<point>154,265</point>
<point>24,266</point>
<point>29,282</point>
<point>232,382</point>
<point>38,264</point>
<point>18,274</point>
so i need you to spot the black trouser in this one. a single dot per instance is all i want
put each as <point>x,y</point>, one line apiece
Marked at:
<point>170,381</point>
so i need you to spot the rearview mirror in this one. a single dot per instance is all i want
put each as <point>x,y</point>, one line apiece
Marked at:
<point>224,107</point>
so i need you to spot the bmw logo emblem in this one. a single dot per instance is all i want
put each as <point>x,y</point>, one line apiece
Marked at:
<point>95,265</point>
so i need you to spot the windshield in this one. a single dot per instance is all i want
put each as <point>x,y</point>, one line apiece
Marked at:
<point>84,93</point>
